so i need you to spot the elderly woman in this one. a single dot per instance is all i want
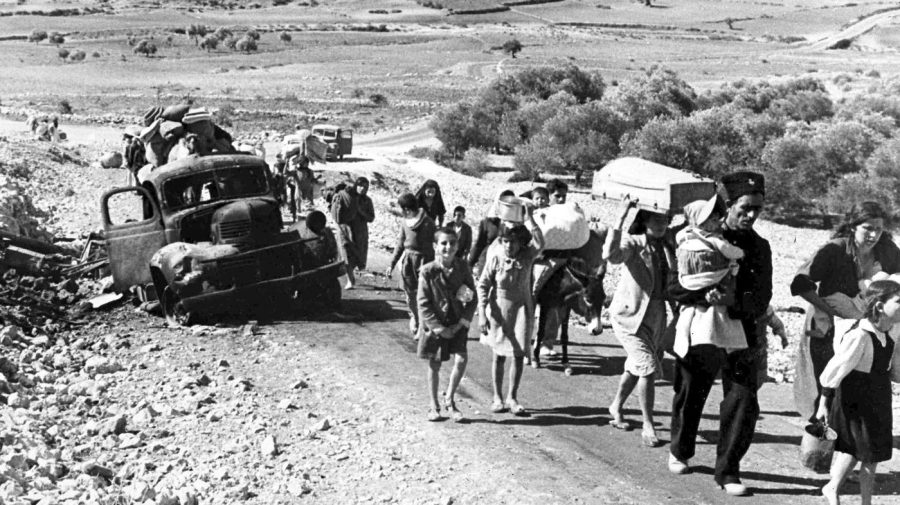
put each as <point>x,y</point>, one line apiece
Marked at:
<point>831,281</point>
<point>638,309</point>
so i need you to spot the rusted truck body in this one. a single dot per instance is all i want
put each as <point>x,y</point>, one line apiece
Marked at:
<point>210,239</point>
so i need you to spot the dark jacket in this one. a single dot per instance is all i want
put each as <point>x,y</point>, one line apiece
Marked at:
<point>833,267</point>
<point>465,240</point>
<point>417,236</point>
<point>488,230</point>
<point>439,306</point>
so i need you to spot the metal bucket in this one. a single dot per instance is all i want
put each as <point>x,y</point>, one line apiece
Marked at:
<point>511,208</point>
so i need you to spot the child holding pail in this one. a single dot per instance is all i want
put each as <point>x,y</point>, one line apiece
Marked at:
<point>504,295</point>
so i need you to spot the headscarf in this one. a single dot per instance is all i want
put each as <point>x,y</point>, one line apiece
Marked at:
<point>437,207</point>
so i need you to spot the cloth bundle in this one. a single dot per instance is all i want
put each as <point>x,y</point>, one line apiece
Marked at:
<point>563,226</point>
<point>166,128</point>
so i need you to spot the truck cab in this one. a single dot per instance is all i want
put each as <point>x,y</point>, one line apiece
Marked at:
<point>205,234</point>
<point>339,140</point>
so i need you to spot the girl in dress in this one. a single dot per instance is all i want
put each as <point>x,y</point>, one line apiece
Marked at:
<point>856,390</point>
<point>507,308</point>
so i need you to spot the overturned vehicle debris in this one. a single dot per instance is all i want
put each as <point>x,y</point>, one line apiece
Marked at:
<point>205,235</point>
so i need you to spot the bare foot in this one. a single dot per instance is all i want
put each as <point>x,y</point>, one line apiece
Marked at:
<point>830,494</point>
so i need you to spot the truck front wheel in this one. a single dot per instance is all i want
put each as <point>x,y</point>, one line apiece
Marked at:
<point>173,309</point>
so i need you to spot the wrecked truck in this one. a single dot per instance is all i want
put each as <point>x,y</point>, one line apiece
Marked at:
<point>205,235</point>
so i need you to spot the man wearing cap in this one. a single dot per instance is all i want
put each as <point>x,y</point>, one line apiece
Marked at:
<point>744,196</point>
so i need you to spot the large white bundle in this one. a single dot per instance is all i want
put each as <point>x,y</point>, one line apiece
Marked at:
<point>563,226</point>
<point>111,160</point>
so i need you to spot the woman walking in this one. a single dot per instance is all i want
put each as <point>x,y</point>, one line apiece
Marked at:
<point>638,309</point>
<point>831,281</point>
<point>431,200</point>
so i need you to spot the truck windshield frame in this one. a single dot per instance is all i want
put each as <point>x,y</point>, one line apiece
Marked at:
<point>209,186</point>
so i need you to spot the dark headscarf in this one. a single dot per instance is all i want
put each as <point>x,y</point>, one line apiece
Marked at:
<point>437,207</point>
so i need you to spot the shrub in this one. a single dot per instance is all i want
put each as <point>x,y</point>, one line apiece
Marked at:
<point>77,56</point>
<point>378,100</point>
<point>145,47</point>
<point>210,42</point>
<point>475,162</point>
<point>63,53</point>
<point>222,33</point>
<point>285,37</point>
<point>196,32</point>
<point>252,34</point>
<point>55,38</point>
<point>230,43</point>
<point>224,116</point>
<point>37,36</point>
<point>246,45</point>
<point>64,107</point>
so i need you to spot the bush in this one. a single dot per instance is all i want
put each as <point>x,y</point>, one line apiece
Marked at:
<point>145,47</point>
<point>63,53</point>
<point>222,33</point>
<point>285,37</point>
<point>475,162</point>
<point>378,99</point>
<point>512,47</point>
<point>64,107</point>
<point>196,32</point>
<point>77,56</point>
<point>37,36</point>
<point>210,42</point>
<point>245,45</point>
<point>55,38</point>
<point>252,34</point>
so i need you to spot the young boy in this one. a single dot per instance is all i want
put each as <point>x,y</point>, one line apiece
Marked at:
<point>446,301</point>
<point>414,248</point>
<point>558,191</point>
<point>541,197</point>
<point>463,231</point>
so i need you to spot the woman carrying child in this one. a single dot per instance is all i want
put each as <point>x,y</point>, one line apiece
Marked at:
<point>507,308</point>
<point>638,309</point>
<point>446,300</point>
<point>832,281</point>
<point>856,390</point>
<point>414,248</point>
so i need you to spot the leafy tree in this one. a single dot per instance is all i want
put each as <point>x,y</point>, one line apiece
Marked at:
<point>37,36</point>
<point>246,45</point>
<point>543,82</point>
<point>658,93</point>
<point>709,142</point>
<point>222,33</point>
<point>55,38</point>
<point>512,47</point>
<point>63,53</point>
<point>196,32</point>
<point>378,99</point>
<point>210,42</point>
<point>145,47</point>
<point>77,56</point>
<point>518,126</point>
<point>230,43</point>
<point>455,128</point>
<point>285,37</point>
<point>252,34</point>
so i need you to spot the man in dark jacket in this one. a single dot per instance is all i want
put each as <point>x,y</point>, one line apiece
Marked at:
<point>744,197</point>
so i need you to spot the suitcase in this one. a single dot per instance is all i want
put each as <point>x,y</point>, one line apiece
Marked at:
<point>653,186</point>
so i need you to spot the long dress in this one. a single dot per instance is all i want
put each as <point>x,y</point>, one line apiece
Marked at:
<point>360,229</point>
<point>862,414</point>
<point>504,288</point>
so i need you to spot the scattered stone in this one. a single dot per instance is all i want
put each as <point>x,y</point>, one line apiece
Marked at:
<point>145,416</point>
<point>286,404</point>
<point>204,380</point>
<point>17,401</point>
<point>269,446</point>
<point>223,364</point>
<point>9,335</point>
<point>300,384</point>
<point>298,487</point>
<point>95,470</point>
<point>139,491</point>
<point>323,425</point>
<point>114,425</point>
<point>101,365</point>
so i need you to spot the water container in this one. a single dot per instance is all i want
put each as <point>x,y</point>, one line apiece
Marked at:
<point>511,208</point>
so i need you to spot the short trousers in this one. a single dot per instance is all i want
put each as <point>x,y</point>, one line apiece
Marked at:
<point>433,347</point>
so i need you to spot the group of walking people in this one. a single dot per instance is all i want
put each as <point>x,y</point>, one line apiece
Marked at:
<point>701,291</point>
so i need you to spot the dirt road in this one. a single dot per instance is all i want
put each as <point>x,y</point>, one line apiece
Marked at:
<point>855,30</point>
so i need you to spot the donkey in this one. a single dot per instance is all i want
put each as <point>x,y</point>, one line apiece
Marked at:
<point>578,286</point>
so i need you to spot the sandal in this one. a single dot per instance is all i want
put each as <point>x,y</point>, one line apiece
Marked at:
<point>455,414</point>
<point>621,425</point>
<point>514,408</point>
<point>497,407</point>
